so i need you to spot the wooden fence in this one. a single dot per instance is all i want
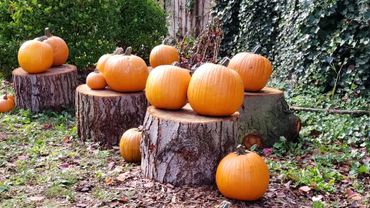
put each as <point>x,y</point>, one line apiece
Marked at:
<point>186,16</point>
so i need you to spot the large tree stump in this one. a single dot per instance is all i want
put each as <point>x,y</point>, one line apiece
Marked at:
<point>265,116</point>
<point>51,90</point>
<point>181,147</point>
<point>104,115</point>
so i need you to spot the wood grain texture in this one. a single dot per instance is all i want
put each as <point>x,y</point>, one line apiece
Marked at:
<point>51,90</point>
<point>104,115</point>
<point>183,148</point>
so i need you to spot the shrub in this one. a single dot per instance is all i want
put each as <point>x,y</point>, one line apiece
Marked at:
<point>91,28</point>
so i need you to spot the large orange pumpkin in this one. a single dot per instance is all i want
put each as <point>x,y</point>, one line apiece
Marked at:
<point>254,69</point>
<point>129,145</point>
<point>7,103</point>
<point>242,175</point>
<point>126,73</point>
<point>35,56</point>
<point>215,90</point>
<point>59,46</point>
<point>167,87</point>
<point>104,58</point>
<point>163,55</point>
<point>96,81</point>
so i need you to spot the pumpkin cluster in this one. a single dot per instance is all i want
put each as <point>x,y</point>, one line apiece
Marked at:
<point>39,54</point>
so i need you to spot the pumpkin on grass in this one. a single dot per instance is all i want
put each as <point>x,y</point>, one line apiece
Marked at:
<point>215,90</point>
<point>163,55</point>
<point>167,87</point>
<point>254,69</point>
<point>96,81</point>
<point>126,73</point>
<point>129,145</point>
<point>242,175</point>
<point>7,103</point>
<point>59,46</point>
<point>35,56</point>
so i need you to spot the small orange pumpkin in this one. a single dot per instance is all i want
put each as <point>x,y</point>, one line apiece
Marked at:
<point>215,90</point>
<point>167,87</point>
<point>7,103</point>
<point>59,46</point>
<point>104,58</point>
<point>129,145</point>
<point>126,73</point>
<point>96,81</point>
<point>242,175</point>
<point>254,69</point>
<point>35,56</point>
<point>163,55</point>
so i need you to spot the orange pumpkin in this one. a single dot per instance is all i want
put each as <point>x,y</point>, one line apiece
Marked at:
<point>215,90</point>
<point>96,81</point>
<point>254,69</point>
<point>126,73</point>
<point>163,55</point>
<point>59,46</point>
<point>167,87</point>
<point>242,175</point>
<point>129,145</point>
<point>104,58</point>
<point>7,103</point>
<point>35,56</point>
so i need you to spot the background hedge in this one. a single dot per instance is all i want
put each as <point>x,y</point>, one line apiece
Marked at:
<point>319,46</point>
<point>90,27</point>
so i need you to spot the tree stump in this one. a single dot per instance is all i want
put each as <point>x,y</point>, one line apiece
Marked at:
<point>104,115</point>
<point>183,148</point>
<point>51,90</point>
<point>264,117</point>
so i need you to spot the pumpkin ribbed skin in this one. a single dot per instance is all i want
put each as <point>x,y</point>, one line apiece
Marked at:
<point>163,55</point>
<point>60,50</point>
<point>6,104</point>
<point>167,87</point>
<point>254,69</point>
<point>126,73</point>
<point>242,177</point>
<point>96,81</point>
<point>35,56</point>
<point>215,90</point>
<point>129,145</point>
<point>101,62</point>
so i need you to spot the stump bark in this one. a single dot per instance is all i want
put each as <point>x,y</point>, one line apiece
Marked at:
<point>183,148</point>
<point>51,90</point>
<point>104,115</point>
<point>265,117</point>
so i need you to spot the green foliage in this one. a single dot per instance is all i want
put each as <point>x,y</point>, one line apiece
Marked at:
<point>315,44</point>
<point>90,28</point>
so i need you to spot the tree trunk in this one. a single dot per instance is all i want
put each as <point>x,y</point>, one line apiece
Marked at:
<point>265,116</point>
<point>104,115</point>
<point>51,90</point>
<point>183,148</point>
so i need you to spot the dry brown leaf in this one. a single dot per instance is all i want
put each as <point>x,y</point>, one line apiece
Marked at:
<point>109,181</point>
<point>304,189</point>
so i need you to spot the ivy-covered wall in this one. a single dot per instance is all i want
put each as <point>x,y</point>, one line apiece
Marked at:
<point>321,45</point>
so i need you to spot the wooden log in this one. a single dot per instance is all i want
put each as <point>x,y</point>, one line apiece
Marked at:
<point>51,90</point>
<point>183,148</point>
<point>264,117</point>
<point>104,115</point>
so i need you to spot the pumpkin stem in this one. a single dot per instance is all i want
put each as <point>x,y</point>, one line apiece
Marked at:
<point>240,150</point>
<point>5,97</point>
<point>257,48</point>
<point>141,128</point>
<point>224,61</point>
<point>47,32</point>
<point>128,51</point>
<point>119,50</point>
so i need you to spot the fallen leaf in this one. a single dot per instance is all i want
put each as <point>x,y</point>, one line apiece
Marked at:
<point>22,157</point>
<point>109,181</point>
<point>267,151</point>
<point>36,198</point>
<point>317,198</point>
<point>123,199</point>
<point>287,184</point>
<point>149,185</point>
<point>64,166</point>
<point>122,177</point>
<point>81,205</point>
<point>111,165</point>
<point>304,189</point>
<point>46,126</point>
<point>353,195</point>
<point>84,186</point>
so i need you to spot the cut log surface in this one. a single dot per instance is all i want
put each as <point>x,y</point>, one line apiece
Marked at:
<point>104,115</point>
<point>51,90</point>
<point>266,115</point>
<point>183,148</point>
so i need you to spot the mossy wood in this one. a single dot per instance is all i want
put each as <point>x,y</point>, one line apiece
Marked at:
<point>265,117</point>
<point>51,90</point>
<point>183,148</point>
<point>104,115</point>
